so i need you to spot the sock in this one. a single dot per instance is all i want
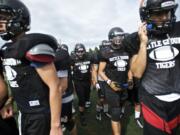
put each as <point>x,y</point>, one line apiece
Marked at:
<point>105,108</point>
<point>98,108</point>
<point>137,114</point>
<point>123,109</point>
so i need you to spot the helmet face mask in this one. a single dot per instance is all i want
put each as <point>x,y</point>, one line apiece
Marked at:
<point>118,40</point>
<point>18,18</point>
<point>116,35</point>
<point>158,8</point>
<point>80,53</point>
<point>80,50</point>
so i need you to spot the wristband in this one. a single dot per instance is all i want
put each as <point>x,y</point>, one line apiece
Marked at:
<point>108,82</point>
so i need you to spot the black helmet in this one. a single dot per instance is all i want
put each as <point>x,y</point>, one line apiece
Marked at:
<point>80,50</point>
<point>105,43</point>
<point>154,6</point>
<point>116,35</point>
<point>64,47</point>
<point>19,20</point>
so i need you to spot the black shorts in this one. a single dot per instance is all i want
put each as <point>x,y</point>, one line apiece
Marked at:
<point>101,92</point>
<point>34,124</point>
<point>160,117</point>
<point>83,91</point>
<point>8,126</point>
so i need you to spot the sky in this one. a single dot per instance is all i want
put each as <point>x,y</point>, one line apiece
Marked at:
<point>83,21</point>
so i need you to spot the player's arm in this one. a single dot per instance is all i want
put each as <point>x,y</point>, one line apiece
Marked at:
<point>130,80</point>
<point>42,57</point>
<point>102,66</point>
<point>94,73</point>
<point>3,91</point>
<point>48,75</point>
<point>138,61</point>
<point>115,86</point>
<point>63,78</point>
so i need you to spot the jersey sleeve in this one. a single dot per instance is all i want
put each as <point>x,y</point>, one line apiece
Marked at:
<point>62,60</point>
<point>102,55</point>
<point>131,44</point>
<point>95,59</point>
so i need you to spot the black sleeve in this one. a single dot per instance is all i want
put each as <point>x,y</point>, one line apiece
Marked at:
<point>62,60</point>
<point>131,44</point>
<point>103,54</point>
<point>94,58</point>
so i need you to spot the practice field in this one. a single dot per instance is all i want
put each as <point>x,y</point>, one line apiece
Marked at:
<point>103,127</point>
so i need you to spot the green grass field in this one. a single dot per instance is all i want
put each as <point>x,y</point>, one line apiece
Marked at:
<point>103,127</point>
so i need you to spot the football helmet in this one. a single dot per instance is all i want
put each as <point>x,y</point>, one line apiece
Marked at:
<point>16,17</point>
<point>116,35</point>
<point>64,47</point>
<point>80,50</point>
<point>150,7</point>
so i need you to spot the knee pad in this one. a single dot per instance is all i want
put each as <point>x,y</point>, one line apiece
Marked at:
<point>115,114</point>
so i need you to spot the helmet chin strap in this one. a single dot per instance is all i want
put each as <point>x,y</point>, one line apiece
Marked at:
<point>163,28</point>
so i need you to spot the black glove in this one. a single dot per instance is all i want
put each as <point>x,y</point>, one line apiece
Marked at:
<point>130,84</point>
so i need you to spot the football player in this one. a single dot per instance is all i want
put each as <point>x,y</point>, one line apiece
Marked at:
<point>155,60</point>
<point>28,65</point>
<point>114,70</point>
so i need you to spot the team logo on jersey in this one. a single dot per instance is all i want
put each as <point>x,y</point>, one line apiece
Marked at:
<point>11,75</point>
<point>11,62</point>
<point>164,53</point>
<point>84,68</point>
<point>121,65</point>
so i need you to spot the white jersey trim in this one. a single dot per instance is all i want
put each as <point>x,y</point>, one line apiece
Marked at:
<point>169,97</point>
<point>62,73</point>
<point>67,99</point>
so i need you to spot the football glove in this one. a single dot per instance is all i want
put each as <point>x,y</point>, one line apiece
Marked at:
<point>130,84</point>
<point>114,85</point>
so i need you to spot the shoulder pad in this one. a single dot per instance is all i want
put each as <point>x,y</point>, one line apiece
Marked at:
<point>38,38</point>
<point>41,53</point>
<point>28,41</point>
<point>41,49</point>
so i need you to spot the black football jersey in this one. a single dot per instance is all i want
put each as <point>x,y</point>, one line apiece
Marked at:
<point>162,74</point>
<point>117,63</point>
<point>82,67</point>
<point>29,91</point>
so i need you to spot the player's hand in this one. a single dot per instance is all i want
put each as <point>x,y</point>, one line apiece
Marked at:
<point>130,84</point>
<point>142,32</point>
<point>7,111</point>
<point>114,85</point>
